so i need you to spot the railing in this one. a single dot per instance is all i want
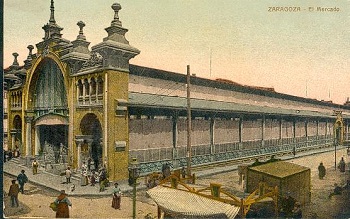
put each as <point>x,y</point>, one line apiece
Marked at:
<point>152,159</point>
<point>43,111</point>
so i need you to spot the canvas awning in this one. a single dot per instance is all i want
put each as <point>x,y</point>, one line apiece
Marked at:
<point>51,120</point>
<point>181,203</point>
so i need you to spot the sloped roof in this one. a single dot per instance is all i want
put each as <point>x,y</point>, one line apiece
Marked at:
<point>181,203</point>
<point>279,169</point>
<point>175,102</point>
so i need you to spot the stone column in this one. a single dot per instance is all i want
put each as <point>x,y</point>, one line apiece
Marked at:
<point>28,120</point>
<point>37,140</point>
<point>79,143</point>
<point>13,138</point>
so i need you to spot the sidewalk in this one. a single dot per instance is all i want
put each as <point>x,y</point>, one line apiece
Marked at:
<point>55,182</point>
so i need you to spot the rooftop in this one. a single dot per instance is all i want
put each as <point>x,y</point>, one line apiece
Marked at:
<point>280,169</point>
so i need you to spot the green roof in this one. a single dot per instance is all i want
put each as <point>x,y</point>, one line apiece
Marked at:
<point>280,169</point>
<point>175,102</point>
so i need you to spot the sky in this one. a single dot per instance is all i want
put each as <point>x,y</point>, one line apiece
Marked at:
<point>303,53</point>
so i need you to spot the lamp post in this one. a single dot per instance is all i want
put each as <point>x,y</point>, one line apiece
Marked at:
<point>134,173</point>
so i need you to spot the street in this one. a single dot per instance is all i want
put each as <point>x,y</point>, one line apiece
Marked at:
<point>35,202</point>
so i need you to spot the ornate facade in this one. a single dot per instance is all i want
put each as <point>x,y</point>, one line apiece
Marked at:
<point>64,98</point>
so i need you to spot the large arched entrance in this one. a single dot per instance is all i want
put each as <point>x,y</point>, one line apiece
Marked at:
<point>90,126</point>
<point>49,105</point>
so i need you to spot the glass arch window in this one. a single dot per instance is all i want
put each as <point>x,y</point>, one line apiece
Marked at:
<point>50,92</point>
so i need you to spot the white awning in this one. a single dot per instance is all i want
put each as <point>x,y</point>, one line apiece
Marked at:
<point>181,203</point>
<point>51,120</point>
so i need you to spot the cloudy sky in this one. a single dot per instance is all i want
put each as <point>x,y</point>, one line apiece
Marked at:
<point>304,52</point>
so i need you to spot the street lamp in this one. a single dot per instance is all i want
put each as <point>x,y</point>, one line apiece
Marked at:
<point>134,173</point>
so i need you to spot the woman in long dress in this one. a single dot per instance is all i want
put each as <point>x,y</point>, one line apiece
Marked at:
<point>62,203</point>
<point>84,179</point>
<point>116,197</point>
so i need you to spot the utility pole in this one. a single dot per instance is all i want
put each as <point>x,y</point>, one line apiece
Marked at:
<point>189,125</point>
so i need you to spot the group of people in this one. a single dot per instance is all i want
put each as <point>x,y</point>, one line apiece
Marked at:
<point>89,176</point>
<point>322,169</point>
<point>15,188</point>
<point>9,154</point>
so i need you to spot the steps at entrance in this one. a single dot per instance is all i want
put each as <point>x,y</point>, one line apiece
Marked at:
<point>15,161</point>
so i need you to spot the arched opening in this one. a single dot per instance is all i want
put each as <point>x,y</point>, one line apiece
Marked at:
<point>17,133</point>
<point>91,126</point>
<point>52,133</point>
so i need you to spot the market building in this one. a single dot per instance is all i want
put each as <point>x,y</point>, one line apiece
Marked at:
<point>69,103</point>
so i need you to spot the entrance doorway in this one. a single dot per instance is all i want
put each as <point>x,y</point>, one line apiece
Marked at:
<point>54,142</point>
<point>90,125</point>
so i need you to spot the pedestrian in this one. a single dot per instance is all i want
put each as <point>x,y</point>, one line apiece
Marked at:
<point>22,179</point>
<point>89,164</point>
<point>84,167</point>
<point>13,193</point>
<point>117,193</point>
<point>183,172</point>
<point>341,165</point>
<point>35,166</point>
<point>297,212</point>
<point>62,202</point>
<point>93,178</point>
<point>84,179</point>
<point>321,171</point>
<point>288,203</point>
<point>337,190</point>
<point>16,151</point>
<point>294,151</point>
<point>68,174</point>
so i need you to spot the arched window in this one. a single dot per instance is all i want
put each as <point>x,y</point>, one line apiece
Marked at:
<point>80,88</point>
<point>93,89</point>
<point>50,89</point>
<point>87,89</point>
<point>100,86</point>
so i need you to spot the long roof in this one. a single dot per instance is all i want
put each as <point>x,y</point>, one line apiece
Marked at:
<point>180,103</point>
<point>178,77</point>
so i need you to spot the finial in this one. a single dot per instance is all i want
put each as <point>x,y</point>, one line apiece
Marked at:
<point>52,16</point>
<point>30,47</point>
<point>81,25</point>
<point>116,7</point>
<point>15,62</point>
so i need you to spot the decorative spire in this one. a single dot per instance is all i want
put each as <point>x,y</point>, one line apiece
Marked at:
<point>81,25</point>
<point>116,22</point>
<point>30,48</point>
<point>28,61</point>
<point>15,62</point>
<point>52,16</point>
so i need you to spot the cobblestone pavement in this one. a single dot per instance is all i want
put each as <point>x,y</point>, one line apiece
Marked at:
<point>88,202</point>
